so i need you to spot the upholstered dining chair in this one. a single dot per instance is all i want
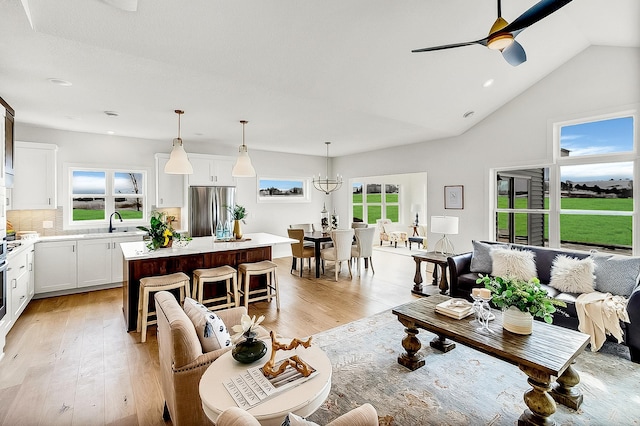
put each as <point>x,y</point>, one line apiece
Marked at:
<point>340,252</point>
<point>299,250</point>
<point>364,246</point>
<point>306,227</point>
<point>356,225</point>
<point>364,415</point>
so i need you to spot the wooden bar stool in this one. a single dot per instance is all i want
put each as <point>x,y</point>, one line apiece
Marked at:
<point>247,270</point>
<point>151,285</point>
<point>215,275</point>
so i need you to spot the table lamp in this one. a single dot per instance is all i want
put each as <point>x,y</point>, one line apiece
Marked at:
<point>445,225</point>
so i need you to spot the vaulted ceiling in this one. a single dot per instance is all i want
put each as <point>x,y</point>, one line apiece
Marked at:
<point>301,72</point>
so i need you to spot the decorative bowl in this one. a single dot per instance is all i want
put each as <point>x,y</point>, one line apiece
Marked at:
<point>181,243</point>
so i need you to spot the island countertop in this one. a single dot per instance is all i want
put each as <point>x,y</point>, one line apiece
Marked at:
<point>202,252</point>
<point>138,249</point>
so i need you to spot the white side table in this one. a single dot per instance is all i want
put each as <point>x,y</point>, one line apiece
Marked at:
<point>302,400</point>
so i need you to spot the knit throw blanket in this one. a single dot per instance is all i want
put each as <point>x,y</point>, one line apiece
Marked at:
<point>599,315</point>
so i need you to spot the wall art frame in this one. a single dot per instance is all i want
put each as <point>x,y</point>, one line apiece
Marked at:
<point>284,189</point>
<point>454,197</point>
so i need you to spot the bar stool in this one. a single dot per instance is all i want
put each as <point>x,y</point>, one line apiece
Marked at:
<point>247,270</point>
<point>214,275</point>
<point>151,285</point>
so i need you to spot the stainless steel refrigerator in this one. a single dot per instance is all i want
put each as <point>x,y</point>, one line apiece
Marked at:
<point>207,207</point>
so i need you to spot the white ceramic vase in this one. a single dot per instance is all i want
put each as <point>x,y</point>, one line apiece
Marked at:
<point>516,321</point>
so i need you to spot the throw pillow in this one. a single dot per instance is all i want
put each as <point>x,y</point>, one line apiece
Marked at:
<point>295,420</point>
<point>571,275</point>
<point>481,259</point>
<point>212,332</point>
<point>616,274</point>
<point>519,264</point>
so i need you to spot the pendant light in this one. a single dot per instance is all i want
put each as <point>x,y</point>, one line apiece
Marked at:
<point>243,167</point>
<point>178,163</point>
<point>327,185</point>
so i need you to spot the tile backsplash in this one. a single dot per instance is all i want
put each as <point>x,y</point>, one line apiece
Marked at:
<point>32,220</point>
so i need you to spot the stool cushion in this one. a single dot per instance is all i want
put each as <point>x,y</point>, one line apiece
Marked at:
<point>162,280</point>
<point>214,272</point>
<point>211,330</point>
<point>257,266</point>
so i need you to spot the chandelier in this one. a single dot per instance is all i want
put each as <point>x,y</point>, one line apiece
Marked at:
<point>327,185</point>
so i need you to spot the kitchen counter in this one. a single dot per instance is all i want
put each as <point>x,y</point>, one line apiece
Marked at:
<point>90,236</point>
<point>202,252</point>
<point>139,250</point>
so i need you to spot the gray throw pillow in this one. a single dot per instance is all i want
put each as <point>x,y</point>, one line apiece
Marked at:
<point>616,274</point>
<point>481,262</point>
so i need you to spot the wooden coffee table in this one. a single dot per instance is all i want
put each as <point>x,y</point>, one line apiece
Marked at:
<point>549,351</point>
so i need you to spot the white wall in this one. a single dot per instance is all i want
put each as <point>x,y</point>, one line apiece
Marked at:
<point>597,79</point>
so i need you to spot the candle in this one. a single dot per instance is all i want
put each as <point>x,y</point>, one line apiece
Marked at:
<point>485,293</point>
<point>476,291</point>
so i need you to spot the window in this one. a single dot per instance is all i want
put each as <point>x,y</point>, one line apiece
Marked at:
<point>95,194</point>
<point>588,203</point>
<point>373,201</point>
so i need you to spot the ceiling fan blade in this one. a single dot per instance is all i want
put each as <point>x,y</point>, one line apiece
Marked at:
<point>482,42</point>
<point>514,54</point>
<point>537,12</point>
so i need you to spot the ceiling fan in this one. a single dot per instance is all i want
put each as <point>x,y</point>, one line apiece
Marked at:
<point>502,34</point>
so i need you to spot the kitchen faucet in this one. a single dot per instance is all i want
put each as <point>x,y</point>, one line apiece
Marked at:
<point>111,227</point>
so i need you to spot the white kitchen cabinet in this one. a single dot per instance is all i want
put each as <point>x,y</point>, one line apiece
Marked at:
<point>211,170</point>
<point>94,262</point>
<point>18,285</point>
<point>31,271</point>
<point>35,176</point>
<point>169,187</point>
<point>55,263</point>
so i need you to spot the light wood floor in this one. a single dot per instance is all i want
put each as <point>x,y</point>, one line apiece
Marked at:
<point>69,361</point>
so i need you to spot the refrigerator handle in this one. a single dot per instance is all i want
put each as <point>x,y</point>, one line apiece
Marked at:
<point>212,203</point>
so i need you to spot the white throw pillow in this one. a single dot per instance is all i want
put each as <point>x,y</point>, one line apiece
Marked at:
<point>571,275</point>
<point>211,330</point>
<point>295,420</point>
<point>513,263</point>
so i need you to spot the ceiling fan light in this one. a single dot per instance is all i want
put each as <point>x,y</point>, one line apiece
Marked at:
<point>500,41</point>
<point>178,163</point>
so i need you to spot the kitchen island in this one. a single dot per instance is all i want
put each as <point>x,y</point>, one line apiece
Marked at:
<point>202,252</point>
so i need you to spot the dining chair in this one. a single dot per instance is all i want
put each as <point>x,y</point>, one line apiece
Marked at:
<point>306,227</point>
<point>340,252</point>
<point>356,225</point>
<point>299,250</point>
<point>364,246</point>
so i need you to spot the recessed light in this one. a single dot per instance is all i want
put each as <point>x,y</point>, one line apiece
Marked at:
<point>72,117</point>
<point>60,82</point>
<point>198,134</point>
<point>468,114</point>
<point>110,132</point>
<point>112,113</point>
<point>488,83</point>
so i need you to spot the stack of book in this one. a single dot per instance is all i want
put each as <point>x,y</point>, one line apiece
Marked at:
<point>455,308</point>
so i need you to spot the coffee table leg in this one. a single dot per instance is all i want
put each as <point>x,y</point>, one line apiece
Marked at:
<point>417,279</point>
<point>411,345</point>
<point>541,404</point>
<point>441,343</point>
<point>564,391</point>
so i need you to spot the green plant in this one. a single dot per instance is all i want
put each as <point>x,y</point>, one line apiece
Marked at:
<point>526,296</point>
<point>237,212</point>
<point>160,230</point>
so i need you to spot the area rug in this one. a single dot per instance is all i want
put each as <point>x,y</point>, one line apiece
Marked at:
<point>401,249</point>
<point>463,386</point>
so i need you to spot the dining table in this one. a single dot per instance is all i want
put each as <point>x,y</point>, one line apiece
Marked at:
<point>317,238</point>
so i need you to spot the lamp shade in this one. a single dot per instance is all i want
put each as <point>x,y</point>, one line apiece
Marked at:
<point>178,163</point>
<point>415,208</point>
<point>243,167</point>
<point>447,225</point>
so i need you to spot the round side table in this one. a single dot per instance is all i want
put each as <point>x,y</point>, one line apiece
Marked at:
<point>302,400</point>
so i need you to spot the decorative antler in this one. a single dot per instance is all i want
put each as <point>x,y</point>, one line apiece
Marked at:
<point>295,362</point>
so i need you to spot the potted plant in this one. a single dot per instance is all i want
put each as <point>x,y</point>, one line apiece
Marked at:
<point>238,213</point>
<point>520,301</point>
<point>160,230</point>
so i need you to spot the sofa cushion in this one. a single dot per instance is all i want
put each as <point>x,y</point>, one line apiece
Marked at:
<point>211,330</point>
<point>481,260</point>
<point>513,263</point>
<point>571,275</point>
<point>616,274</point>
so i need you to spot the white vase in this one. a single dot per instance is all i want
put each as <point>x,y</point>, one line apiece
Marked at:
<point>516,321</point>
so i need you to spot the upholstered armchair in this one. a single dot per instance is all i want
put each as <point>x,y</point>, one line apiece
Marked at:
<point>182,360</point>
<point>364,415</point>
